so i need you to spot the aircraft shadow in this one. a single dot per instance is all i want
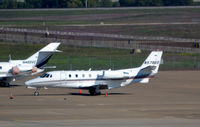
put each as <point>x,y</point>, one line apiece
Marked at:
<point>85,94</point>
<point>10,86</point>
<point>42,95</point>
<point>74,94</point>
<point>119,94</point>
<point>15,85</point>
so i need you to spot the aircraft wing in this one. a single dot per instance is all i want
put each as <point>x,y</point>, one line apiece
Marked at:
<point>21,73</point>
<point>94,85</point>
<point>7,78</point>
<point>30,72</point>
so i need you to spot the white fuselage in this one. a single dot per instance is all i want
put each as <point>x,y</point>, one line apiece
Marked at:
<point>94,81</point>
<point>104,79</point>
<point>6,67</point>
<point>19,68</point>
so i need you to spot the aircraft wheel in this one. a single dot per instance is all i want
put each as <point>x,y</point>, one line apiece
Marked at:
<point>4,84</point>
<point>94,91</point>
<point>36,93</point>
<point>99,93</point>
<point>7,85</point>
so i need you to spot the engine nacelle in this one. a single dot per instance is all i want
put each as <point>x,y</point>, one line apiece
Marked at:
<point>35,69</point>
<point>15,70</point>
<point>21,69</point>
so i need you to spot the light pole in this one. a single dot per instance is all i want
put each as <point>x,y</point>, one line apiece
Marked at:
<point>86,2</point>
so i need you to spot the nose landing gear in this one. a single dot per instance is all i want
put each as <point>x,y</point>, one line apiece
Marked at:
<point>36,93</point>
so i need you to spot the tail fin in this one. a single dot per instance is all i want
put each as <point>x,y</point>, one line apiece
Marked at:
<point>42,56</point>
<point>153,61</point>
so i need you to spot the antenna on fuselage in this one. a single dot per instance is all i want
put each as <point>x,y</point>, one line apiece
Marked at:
<point>10,57</point>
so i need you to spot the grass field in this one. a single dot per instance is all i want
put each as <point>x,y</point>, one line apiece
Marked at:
<point>77,58</point>
<point>160,11</point>
<point>62,19</point>
<point>186,26</point>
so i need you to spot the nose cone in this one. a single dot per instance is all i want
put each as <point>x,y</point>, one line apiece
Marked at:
<point>27,83</point>
<point>32,82</point>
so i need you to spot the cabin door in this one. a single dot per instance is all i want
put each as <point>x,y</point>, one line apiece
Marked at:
<point>62,75</point>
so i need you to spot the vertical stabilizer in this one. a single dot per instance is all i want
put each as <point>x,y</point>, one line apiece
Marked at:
<point>153,61</point>
<point>42,56</point>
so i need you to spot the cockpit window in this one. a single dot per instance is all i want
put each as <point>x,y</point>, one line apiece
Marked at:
<point>46,76</point>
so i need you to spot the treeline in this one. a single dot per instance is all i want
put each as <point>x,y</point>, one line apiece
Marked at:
<point>90,3</point>
<point>155,2</point>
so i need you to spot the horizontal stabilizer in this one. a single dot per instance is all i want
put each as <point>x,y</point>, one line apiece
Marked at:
<point>145,80</point>
<point>49,67</point>
<point>38,71</point>
<point>30,87</point>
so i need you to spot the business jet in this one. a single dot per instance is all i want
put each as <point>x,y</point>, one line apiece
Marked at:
<point>94,81</point>
<point>13,69</point>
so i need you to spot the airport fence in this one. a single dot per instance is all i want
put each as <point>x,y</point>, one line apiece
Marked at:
<point>134,44</point>
<point>169,62</point>
<point>101,35</point>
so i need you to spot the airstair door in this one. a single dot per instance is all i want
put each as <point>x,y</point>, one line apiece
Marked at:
<point>62,75</point>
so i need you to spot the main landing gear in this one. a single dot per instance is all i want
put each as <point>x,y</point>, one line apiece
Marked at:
<point>4,84</point>
<point>94,91</point>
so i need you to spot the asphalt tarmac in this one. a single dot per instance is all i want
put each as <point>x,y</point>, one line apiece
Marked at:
<point>171,99</point>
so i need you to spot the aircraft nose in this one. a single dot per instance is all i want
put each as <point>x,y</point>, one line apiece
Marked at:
<point>27,83</point>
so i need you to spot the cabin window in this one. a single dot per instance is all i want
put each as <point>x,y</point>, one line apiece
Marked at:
<point>90,75</point>
<point>76,75</point>
<point>70,75</point>
<point>50,76</point>
<point>0,67</point>
<point>83,75</point>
